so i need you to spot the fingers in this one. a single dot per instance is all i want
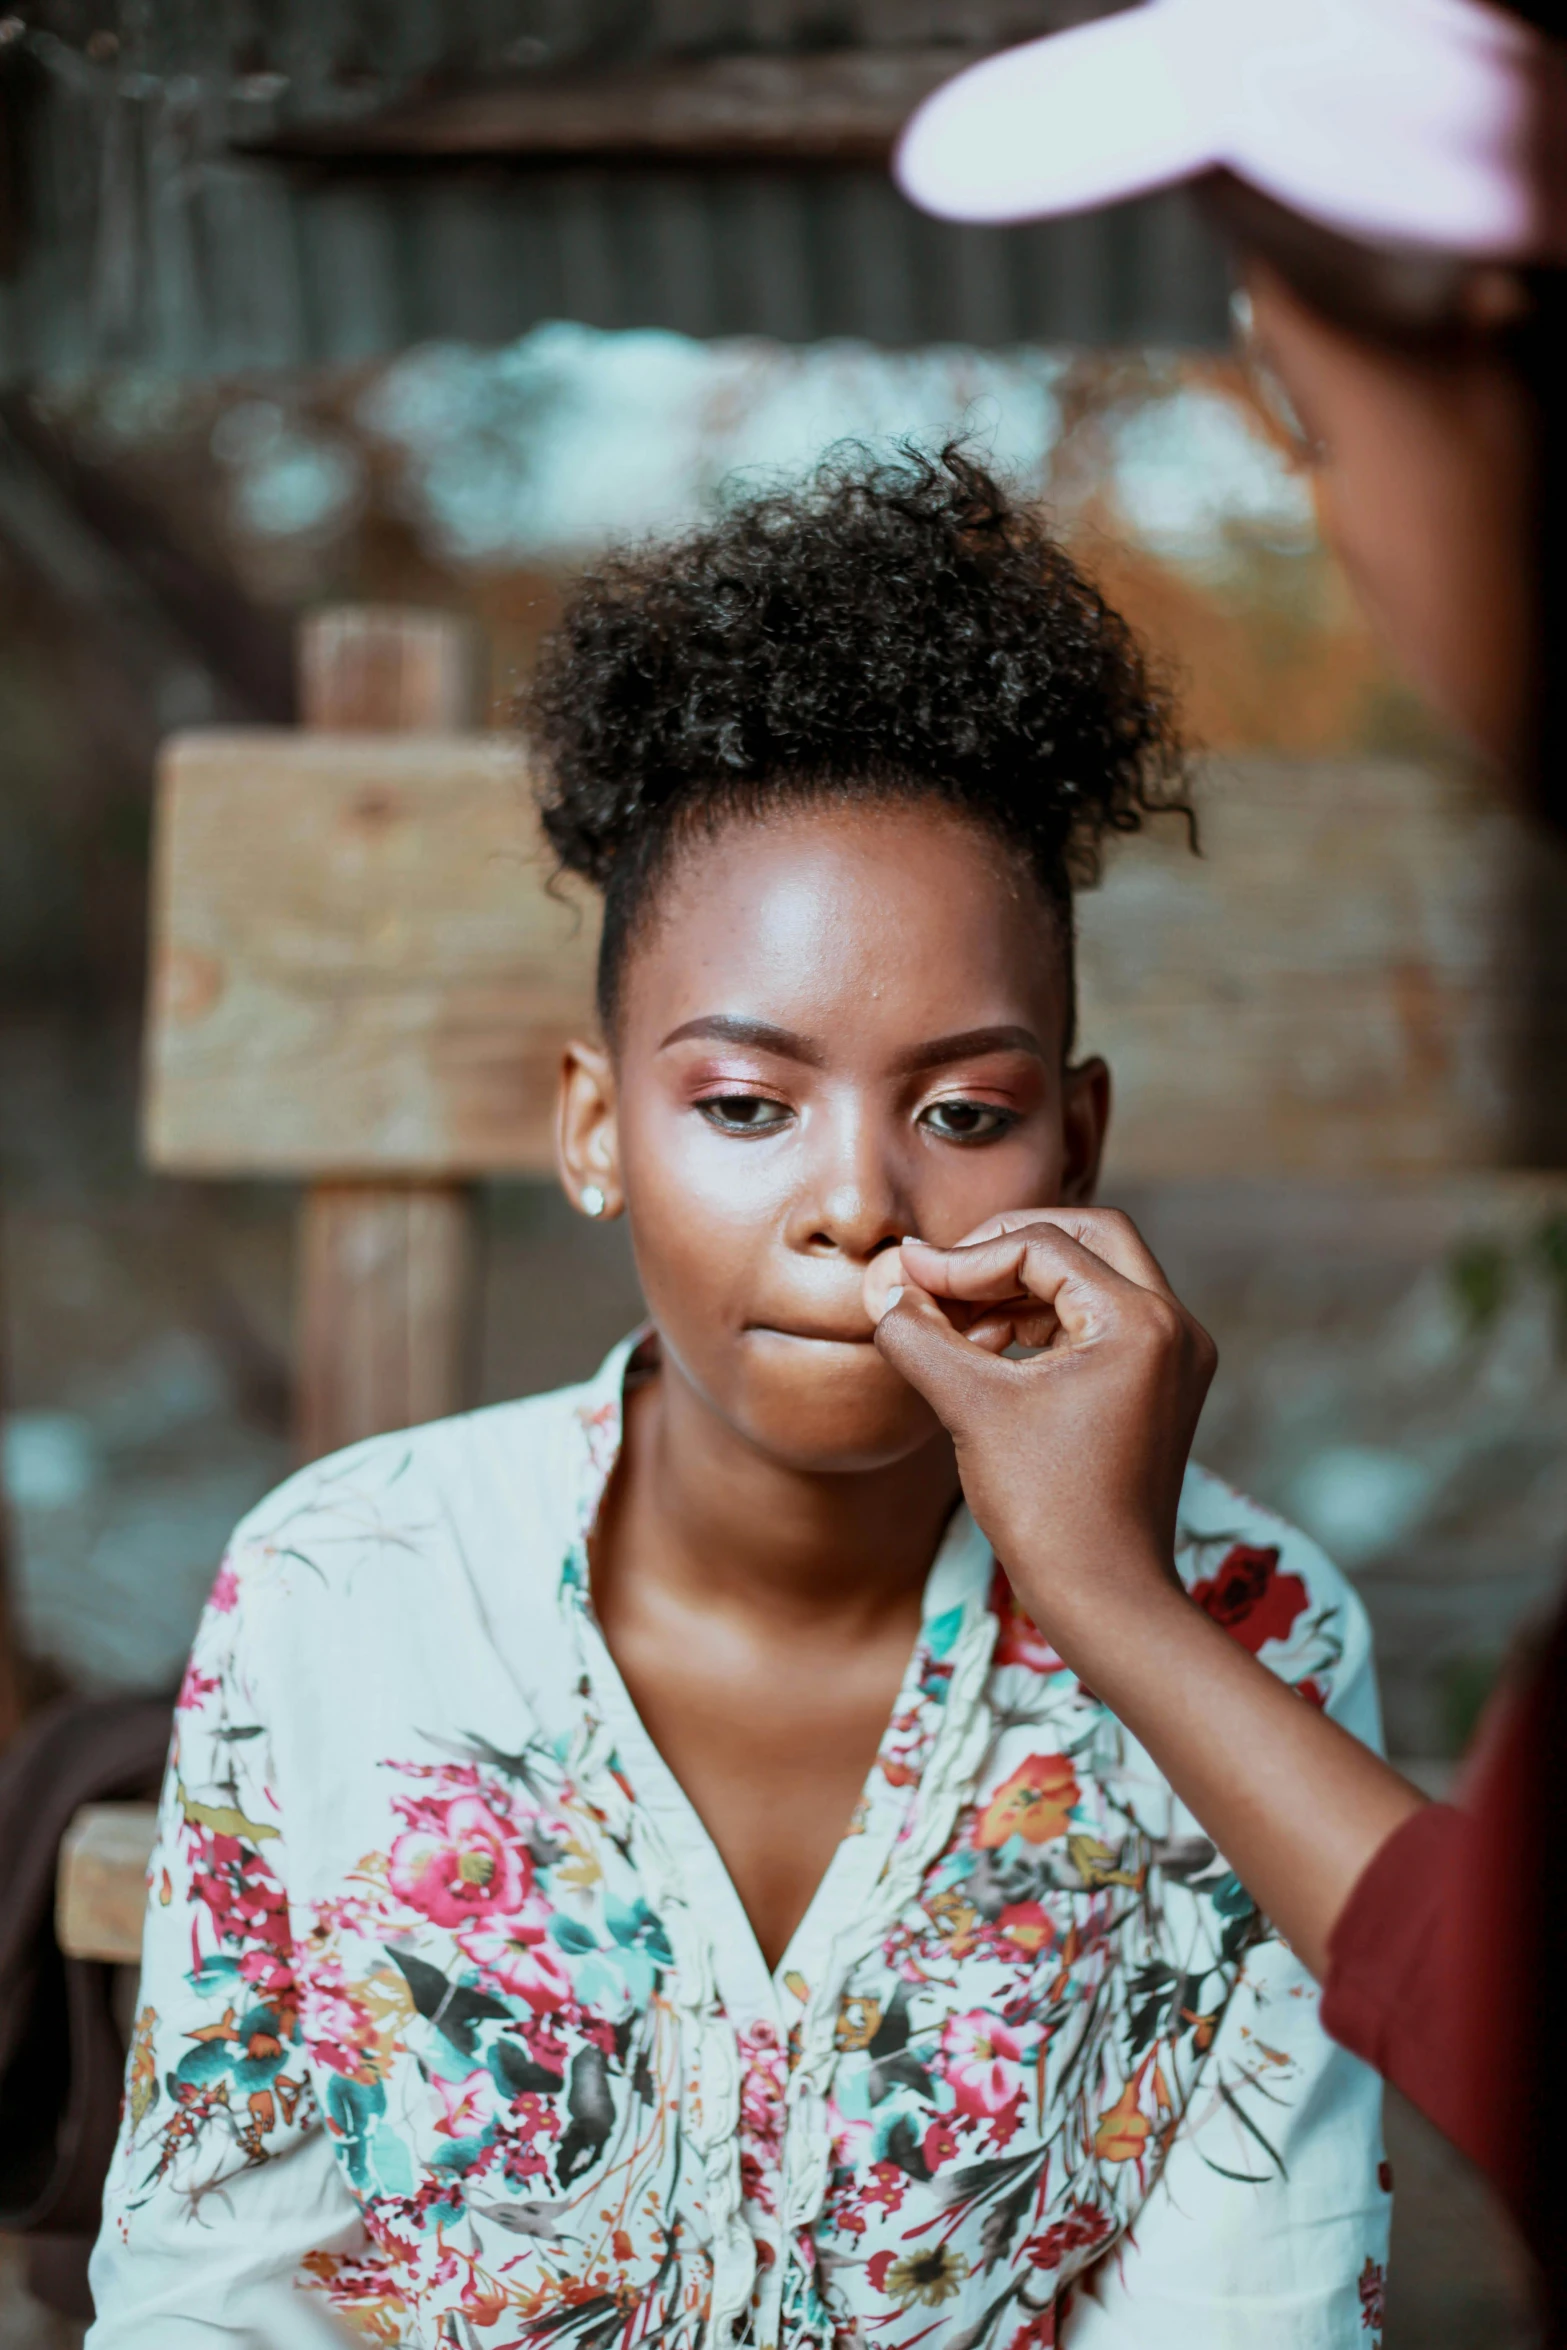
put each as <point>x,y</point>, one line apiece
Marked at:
<point>1104,1232</point>
<point>947,1367</point>
<point>1036,1266</point>
<point>883,1274</point>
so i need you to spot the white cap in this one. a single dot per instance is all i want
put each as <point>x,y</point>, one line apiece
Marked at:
<point>1435,123</point>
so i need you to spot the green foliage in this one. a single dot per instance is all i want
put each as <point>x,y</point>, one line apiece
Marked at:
<point>1480,1275</point>
<point>1550,1249</point>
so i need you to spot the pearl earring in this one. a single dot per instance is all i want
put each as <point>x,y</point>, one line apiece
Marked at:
<point>592,1200</point>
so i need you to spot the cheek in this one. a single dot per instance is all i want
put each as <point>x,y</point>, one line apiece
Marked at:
<point>702,1211</point>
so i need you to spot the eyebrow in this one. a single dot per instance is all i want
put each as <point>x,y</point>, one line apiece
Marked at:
<point>728,1028</point>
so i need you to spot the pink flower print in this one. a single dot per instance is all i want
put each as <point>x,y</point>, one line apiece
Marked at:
<point>225,1591</point>
<point>338,2025</point>
<point>195,1689</point>
<point>265,1972</point>
<point>518,1959</point>
<point>763,2079</point>
<point>471,2105</point>
<point>939,2146</point>
<point>984,2063</point>
<point>459,1865</point>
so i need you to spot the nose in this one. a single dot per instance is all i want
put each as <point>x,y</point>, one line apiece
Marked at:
<point>853,1203</point>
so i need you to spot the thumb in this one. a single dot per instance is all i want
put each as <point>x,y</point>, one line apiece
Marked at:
<point>946,1368</point>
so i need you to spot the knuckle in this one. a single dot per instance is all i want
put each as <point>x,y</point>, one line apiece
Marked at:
<point>1164,1324</point>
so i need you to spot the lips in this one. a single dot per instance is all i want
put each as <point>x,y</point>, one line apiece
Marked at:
<point>813,1333</point>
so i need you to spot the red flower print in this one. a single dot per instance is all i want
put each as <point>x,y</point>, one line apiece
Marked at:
<point>888,2186</point>
<point>1082,2227</point>
<point>1027,1927</point>
<point>983,2062</point>
<point>1034,1803</point>
<point>876,2269</point>
<point>1373,2298</point>
<point>464,1864</point>
<point>248,1909</point>
<point>1019,1640</point>
<point>1250,1598</point>
<point>1038,2334</point>
<point>939,2146</point>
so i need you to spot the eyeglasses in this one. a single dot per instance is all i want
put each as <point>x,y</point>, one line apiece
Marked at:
<point>1278,410</point>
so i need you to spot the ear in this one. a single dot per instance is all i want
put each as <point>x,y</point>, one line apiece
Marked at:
<point>1085,1117</point>
<point>587,1137</point>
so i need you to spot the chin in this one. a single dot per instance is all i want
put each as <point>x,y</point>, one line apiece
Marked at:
<point>828,1408</point>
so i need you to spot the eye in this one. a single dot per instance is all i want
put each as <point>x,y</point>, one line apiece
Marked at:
<point>744,1113</point>
<point>968,1121</point>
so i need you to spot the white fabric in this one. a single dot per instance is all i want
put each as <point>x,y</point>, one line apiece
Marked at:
<point>1432,123</point>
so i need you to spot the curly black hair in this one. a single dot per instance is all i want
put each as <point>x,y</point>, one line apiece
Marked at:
<point>897,628</point>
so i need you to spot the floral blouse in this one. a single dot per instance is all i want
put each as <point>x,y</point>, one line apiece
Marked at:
<point>451,2017</point>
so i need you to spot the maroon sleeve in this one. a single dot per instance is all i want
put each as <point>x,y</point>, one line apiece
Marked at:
<point>1395,1992</point>
<point>1445,1969</point>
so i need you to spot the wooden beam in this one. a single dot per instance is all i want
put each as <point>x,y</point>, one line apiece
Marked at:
<point>101,1884</point>
<point>835,106</point>
<point>385,1272</point>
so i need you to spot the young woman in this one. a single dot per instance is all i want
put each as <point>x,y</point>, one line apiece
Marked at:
<point>630,1870</point>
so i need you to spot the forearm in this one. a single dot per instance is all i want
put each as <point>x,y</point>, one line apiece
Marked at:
<point>1295,1803</point>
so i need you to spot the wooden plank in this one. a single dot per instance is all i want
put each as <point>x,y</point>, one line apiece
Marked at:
<point>833,106</point>
<point>360,969</point>
<point>1343,984</point>
<point>357,965</point>
<point>101,1885</point>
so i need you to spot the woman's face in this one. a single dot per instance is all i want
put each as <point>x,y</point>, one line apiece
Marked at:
<point>1424,471</point>
<point>841,1026</point>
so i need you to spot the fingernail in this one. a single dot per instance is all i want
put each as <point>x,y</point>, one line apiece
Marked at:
<point>888,1302</point>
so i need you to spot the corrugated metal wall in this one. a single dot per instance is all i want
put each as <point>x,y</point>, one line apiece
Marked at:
<point>142,240</point>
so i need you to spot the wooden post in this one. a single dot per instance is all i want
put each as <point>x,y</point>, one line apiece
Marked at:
<point>385,1270</point>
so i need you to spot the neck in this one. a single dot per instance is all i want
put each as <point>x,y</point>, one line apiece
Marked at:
<point>718,1522</point>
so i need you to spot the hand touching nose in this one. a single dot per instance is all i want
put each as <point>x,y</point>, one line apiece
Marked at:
<point>1071,1459</point>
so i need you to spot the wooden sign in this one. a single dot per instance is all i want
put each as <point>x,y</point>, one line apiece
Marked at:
<point>358,966</point>
<point>360,970</point>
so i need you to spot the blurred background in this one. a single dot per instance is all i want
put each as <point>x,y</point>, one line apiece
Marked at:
<point>417,302</point>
